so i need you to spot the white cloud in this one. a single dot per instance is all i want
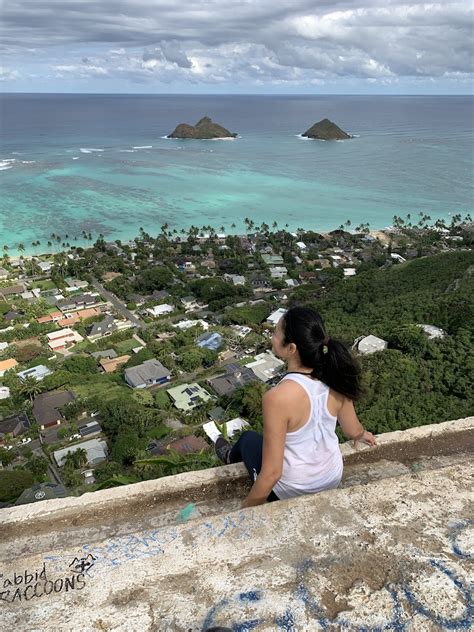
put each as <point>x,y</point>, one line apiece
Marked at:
<point>262,41</point>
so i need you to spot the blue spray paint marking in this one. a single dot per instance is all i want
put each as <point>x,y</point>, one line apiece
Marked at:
<point>209,620</point>
<point>286,622</point>
<point>252,595</point>
<point>395,623</point>
<point>454,534</point>
<point>463,622</point>
<point>303,593</point>
<point>246,626</point>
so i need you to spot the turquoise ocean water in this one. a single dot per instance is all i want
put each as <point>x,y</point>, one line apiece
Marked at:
<point>99,163</point>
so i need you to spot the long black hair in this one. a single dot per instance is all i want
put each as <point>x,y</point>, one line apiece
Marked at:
<point>330,359</point>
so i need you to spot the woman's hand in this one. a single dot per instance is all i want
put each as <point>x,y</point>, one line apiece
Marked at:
<point>366,437</point>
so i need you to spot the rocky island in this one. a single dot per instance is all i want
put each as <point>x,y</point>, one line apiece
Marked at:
<point>204,129</point>
<point>326,130</point>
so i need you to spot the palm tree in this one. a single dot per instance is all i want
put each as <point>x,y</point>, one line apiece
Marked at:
<point>30,387</point>
<point>21,248</point>
<point>80,457</point>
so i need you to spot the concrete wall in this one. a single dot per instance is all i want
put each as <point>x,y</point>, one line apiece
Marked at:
<point>395,554</point>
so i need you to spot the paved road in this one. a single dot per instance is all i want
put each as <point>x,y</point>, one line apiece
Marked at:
<point>119,306</point>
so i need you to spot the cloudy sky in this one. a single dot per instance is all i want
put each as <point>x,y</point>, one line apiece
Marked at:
<point>243,46</point>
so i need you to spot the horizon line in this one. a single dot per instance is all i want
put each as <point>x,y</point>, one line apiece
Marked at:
<point>250,94</point>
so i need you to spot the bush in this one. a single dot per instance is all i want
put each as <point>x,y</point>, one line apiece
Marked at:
<point>13,483</point>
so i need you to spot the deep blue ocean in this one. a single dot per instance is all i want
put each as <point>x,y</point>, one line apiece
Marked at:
<point>100,163</point>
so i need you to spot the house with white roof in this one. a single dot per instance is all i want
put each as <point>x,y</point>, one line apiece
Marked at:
<point>275,316</point>
<point>62,339</point>
<point>159,310</point>
<point>4,392</point>
<point>433,332</point>
<point>187,324</point>
<point>370,344</point>
<point>96,452</point>
<point>39,372</point>
<point>266,366</point>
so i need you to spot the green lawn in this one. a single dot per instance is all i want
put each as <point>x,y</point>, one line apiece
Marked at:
<point>126,346</point>
<point>100,386</point>
<point>47,284</point>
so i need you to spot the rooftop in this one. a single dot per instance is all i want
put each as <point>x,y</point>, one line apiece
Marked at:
<point>390,549</point>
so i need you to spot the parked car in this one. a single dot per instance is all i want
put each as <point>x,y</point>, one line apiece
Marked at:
<point>26,440</point>
<point>74,436</point>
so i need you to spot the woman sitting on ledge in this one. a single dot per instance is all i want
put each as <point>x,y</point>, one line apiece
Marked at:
<point>299,451</point>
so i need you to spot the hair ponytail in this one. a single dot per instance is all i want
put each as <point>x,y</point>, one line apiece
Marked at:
<point>330,360</point>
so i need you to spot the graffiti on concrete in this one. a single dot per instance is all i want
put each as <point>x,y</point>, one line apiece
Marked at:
<point>125,549</point>
<point>82,565</point>
<point>403,602</point>
<point>32,584</point>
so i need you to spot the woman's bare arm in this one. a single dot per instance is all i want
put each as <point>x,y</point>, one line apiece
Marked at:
<point>351,425</point>
<point>275,424</point>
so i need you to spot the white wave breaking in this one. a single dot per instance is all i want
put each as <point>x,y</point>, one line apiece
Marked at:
<point>143,147</point>
<point>6,164</point>
<point>89,150</point>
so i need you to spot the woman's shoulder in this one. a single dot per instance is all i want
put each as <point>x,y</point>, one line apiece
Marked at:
<point>283,390</point>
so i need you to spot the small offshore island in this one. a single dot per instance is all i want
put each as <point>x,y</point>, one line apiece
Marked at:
<point>205,129</point>
<point>118,359</point>
<point>326,130</point>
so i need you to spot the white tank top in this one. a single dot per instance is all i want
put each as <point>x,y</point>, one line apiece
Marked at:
<point>312,460</point>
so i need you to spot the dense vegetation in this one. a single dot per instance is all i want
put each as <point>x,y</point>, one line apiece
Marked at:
<point>415,381</point>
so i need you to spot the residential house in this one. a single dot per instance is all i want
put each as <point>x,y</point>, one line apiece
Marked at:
<point>159,310</point>
<point>348,272</point>
<point>89,429</point>
<point>186,445</point>
<point>187,396</point>
<point>259,281</point>
<point>62,339</point>
<point>104,328</point>
<point>147,374</point>
<point>4,392</point>
<point>369,344</point>
<point>41,491</point>
<point>44,266</point>
<point>187,324</point>
<point>46,407</point>
<point>109,365</point>
<point>301,245</point>
<point>78,301</point>
<point>189,303</point>
<point>39,372</point>
<point>231,427</point>
<point>210,340</point>
<point>107,353</point>
<point>235,279</point>
<point>273,260</point>
<point>234,377</point>
<point>12,290</point>
<point>15,425</point>
<point>52,317</point>
<point>13,315</point>
<point>275,316</point>
<point>266,366</point>
<point>241,330</point>
<point>76,317</point>
<point>96,452</point>
<point>76,284</point>
<point>433,332</point>
<point>278,272</point>
<point>7,365</point>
